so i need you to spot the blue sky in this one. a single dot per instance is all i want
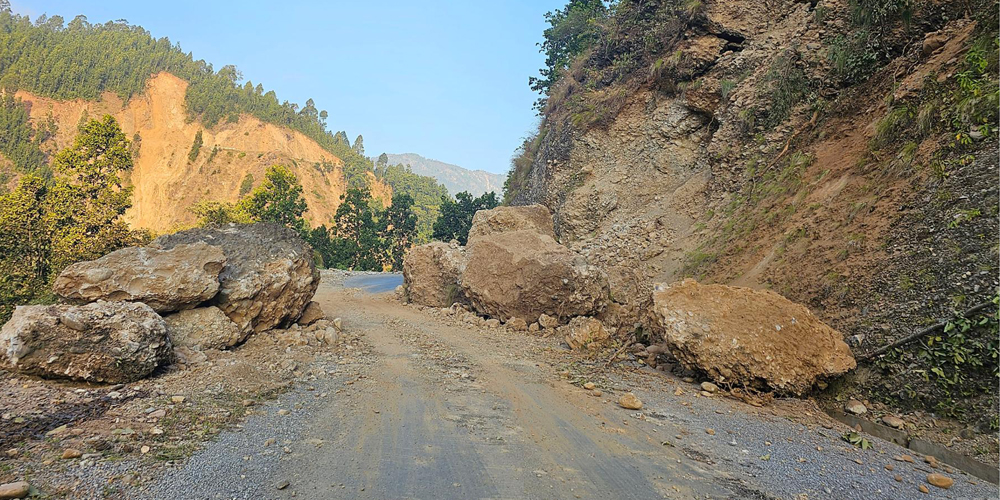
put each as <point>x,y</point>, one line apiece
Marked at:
<point>444,79</point>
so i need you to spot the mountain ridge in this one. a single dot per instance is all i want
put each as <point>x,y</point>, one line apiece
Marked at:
<point>453,177</point>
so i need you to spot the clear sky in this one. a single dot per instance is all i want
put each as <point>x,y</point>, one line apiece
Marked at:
<point>447,79</point>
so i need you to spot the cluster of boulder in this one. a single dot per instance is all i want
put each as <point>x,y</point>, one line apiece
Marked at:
<point>137,308</point>
<point>514,271</point>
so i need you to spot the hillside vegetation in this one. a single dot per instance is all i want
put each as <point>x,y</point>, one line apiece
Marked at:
<point>842,153</point>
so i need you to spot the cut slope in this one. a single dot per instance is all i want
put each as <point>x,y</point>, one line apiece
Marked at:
<point>166,184</point>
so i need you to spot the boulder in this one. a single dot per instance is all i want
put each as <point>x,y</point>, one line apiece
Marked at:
<point>524,274</point>
<point>269,275</point>
<point>584,333</point>
<point>535,218</point>
<point>166,280</point>
<point>107,342</point>
<point>431,274</point>
<point>203,328</point>
<point>312,313</point>
<point>744,336</point>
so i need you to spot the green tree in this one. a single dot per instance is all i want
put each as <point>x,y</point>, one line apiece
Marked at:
<point>400,229</point>
<point>357,243</point>
<point>571,31</point>
<point>24,244</point>
<point>247,185</point>
<point>277,199</point>
<point>455,220</point>
<point>359,145</point>
<point>195,147</point>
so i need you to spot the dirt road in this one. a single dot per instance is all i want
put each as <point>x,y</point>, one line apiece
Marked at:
<point>441,409</point>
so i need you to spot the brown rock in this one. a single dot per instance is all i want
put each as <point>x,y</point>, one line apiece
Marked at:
<point>745,336</point>
<point>589,386</point>
<point>431,274</point>
<point>203,328</point>
<point>630,401</point>
<point>269,276</point>
<point>535,218</point>
<point>939,480</point>
<point>10,491</point>
<point>933,42</point>
<point>546,321</point>
<point>584,332</point>
<point>517,324</point>
<point>923,489</point>
<point>312,313</point>
<point>71,453</point>
<point>894,422</point>
<point>524,274</point>
<point>855,407</point>
<point>709,387</point>
<point>166,280</point>
<point>119,342</point>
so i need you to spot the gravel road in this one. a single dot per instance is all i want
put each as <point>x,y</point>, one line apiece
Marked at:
<point>441,409</point>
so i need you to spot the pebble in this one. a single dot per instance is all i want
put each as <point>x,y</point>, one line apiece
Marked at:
<point>941,481</point>
<point>282,485</point>
<point>283,412</point>
<point>70,453</point>
<point>596,393</point>
<point>894,422</point>
<point>177,399</point>
<point>710,432</point>
<point>589,386</point>
<point>689,380</point>
<point>855,407</point>
<point>678,391</point>
<point>144,450</point>
<point>709,387</point>
<point>898,478</point>
<point>923,489</point>
<point>889,467</point>
<point>14,490</point>
<point>158,414</point>
<point>630,401</point>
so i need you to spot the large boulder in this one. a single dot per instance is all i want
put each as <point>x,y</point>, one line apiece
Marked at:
<point>203,328</point>
<point>431,274</point>
<point>525,274</point>
<point>535,218</point>
<point>269,275</point>
<point>166,280</point>
<point>584,333</point>
<point>743,336</point>
<point>107,342</point>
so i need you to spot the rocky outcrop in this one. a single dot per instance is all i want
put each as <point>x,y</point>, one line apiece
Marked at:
<point>431,274</point>
<point>203,328</point>
<point>109,342</point>
<point>536,218</point>
<point>166,280</point>
<point>269,275</point>
<point>524,274</point>
<point>584,333</point>
<point>743,336</point>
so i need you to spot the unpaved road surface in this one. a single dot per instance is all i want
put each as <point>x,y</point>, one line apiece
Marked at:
<point>442,409</point>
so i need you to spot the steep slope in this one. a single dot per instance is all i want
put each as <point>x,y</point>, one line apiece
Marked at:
<point>454,177</point>
<point>749,148</point>
<point>167,184</point>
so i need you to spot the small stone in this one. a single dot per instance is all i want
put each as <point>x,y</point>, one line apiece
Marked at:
<point>269,441</point>
<point>156,431</point>
<point>898,478</point>
<point>939,480</point>
<point>282,485</point>
<point>158,414</point>
<point>283,412</point>
<point>889,467</point>
<point>689,380</point>
<point>678,391</point>
<point>286,449</point>
<point>706,394</point>
<point>630,401</point>
<point>18,489</point>
<point>177,399</point>
<point>70,453</point>
<point>923,489</point>
<point>710,432</point>
<point>589,386</point>
<point>596,392</point>
<point>709,387</point>
<point>144,450</point>
<point>894,422</point>
<point>855,407</point>
<point>338,324</point>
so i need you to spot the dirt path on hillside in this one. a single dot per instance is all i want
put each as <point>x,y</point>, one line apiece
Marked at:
<point>441,409</point>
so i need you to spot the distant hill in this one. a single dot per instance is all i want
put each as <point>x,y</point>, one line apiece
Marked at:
<point>455,178</point>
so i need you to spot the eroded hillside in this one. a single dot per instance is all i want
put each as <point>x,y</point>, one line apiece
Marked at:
<point>167,183</point>
<point>738,143</point>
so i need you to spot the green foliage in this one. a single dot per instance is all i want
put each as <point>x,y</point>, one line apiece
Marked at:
<point>572,30</point>
<point>857,440</point>
<point>277,199</point>
<point>356,242</point>
<point>19,142</point>
<point>455,220</point>
<point>869,44</point>
<point>77,215</point>
<point>247,185</point>
<point>195,147</point>
<point>424,191</point>
<point>520,166</point>
<point>400,229</point>
<point>784,85</point>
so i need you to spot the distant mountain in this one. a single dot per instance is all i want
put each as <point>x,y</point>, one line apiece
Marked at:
<point>455,178</point>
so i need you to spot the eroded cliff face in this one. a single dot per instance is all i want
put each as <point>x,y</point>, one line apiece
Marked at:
<point>166,184</point>
<point>682,182</point>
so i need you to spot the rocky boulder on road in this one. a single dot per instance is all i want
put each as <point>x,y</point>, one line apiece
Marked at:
<point>524,274</point>
<point>166,280</point>
<point>269,275</point>
<point>203,328</point>
<point>745,336</point>
<point>535,218</point>
<point>584,333</point>
<point>431,274</point>
<point>106,342</point>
